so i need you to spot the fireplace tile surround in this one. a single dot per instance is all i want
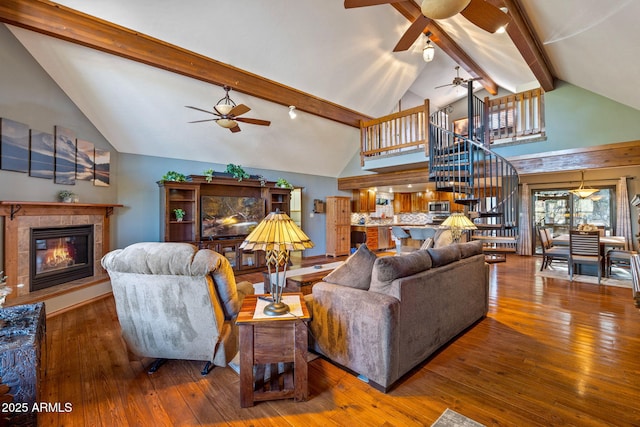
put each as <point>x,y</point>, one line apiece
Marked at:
<point>21,217</point>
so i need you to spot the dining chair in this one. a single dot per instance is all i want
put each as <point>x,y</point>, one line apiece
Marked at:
<point>584,248</point>
<point>619,258</point>
<point>550,253</point>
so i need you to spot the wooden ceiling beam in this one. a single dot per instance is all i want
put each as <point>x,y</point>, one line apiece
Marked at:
<point>411,11</point>
<point>57,21</point>
<point>523,37</point>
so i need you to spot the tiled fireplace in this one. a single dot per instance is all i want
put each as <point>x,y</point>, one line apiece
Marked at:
<point>59,255</point>
<point>84,227</point>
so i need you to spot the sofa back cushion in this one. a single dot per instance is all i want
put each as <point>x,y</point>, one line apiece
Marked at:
<point>469,249</point>
<point>388,268</point>
<point>444,255</point>
<point>356,270</point>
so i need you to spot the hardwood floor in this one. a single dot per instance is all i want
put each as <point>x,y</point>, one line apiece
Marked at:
<point>550,352</point>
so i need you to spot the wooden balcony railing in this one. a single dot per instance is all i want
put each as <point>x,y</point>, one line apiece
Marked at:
<point>516,116</point>
<point>399,132</point>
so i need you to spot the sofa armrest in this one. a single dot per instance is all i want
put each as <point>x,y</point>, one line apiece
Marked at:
<point>357,329</point>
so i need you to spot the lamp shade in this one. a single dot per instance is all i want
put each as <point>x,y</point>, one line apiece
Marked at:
<point>460,221</point>
<point>583,192</point>
<point>277,232</point>
<point>428,52</point>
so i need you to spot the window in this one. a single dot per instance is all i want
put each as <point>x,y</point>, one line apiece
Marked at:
<point>560,211</point>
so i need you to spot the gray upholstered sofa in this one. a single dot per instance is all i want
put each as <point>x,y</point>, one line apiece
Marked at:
<point>176,302</point>
<point>383,322</point>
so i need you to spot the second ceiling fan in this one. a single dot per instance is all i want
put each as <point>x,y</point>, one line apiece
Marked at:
<point>486,16</point>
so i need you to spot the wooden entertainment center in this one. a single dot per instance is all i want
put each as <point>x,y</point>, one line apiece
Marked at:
<point>188,196</point>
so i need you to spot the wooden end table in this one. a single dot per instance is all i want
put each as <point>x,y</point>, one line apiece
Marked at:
<point>268,343</point>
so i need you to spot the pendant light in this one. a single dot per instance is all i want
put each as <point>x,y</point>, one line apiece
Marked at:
<point>429,51</point>
<point>583,192</point>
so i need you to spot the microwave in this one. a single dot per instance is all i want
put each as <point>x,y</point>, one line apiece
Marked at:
<point>438,207</point>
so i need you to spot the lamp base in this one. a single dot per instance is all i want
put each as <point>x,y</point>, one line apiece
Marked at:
<point>276,309</point>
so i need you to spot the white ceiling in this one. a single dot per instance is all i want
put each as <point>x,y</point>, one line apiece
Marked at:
<point>341,55</point>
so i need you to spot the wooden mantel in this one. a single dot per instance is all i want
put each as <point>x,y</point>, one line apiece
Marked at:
<point>20,215</point>
<point>13,208</point>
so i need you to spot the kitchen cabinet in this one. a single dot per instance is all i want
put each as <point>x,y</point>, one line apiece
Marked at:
<point>364,201</point>
<point>402,203</point>
<point>419,202</point>
<point>338,226</point>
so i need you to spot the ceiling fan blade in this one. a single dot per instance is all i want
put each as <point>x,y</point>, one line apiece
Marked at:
<point>438,87</point>
<point>348,4</point>
<point>235,129</point>
<point>412,33</point>
<point>253,121</point>
<point>485,15</point>
<point>208,120</point>
<point>200,109</point>
<point>239,110</point>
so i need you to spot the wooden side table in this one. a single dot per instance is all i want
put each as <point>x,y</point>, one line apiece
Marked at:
<point>276,346</point>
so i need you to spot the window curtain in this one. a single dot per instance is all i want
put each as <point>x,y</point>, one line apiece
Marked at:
<point>623,215</point>
<point>524,242</point>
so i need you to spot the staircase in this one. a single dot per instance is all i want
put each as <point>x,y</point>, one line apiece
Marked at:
<point>485,185</point>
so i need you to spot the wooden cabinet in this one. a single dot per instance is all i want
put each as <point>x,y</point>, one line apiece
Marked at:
<point>402,203</point>
<point>372,238</point>
<point>188,197</point>
<point>179,195</point>
<point>364,201</point>
<point>419,202</point>
<point>279,199</point>
<point>338,226</point>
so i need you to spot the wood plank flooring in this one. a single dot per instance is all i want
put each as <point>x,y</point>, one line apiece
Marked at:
<point>549,353</point>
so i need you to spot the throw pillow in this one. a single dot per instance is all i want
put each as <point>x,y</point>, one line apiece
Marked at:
<point>471,248</point>
<point>387,269</point>
<point>444,255</point>
<point>442,238</point>
<point>356,270</point>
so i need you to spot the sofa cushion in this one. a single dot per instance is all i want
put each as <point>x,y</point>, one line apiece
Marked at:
<point>355,272</point>
<point>387,269</point>
<point>471,248</point>
<point>444,255</point>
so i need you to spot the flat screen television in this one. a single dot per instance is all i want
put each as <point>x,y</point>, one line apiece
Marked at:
<point>230,216</point>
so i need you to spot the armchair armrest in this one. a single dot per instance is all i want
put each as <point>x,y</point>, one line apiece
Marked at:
<point>357,329</point>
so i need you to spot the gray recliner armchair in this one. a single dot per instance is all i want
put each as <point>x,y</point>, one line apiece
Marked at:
<point>176,302</point>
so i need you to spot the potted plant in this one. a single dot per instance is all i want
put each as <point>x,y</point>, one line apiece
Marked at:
<point>208,174</point>
<point>283,183</point>
<point>67,196</point>
<point>180,214</point>
<point>237,172</point>
<point>174,176</point>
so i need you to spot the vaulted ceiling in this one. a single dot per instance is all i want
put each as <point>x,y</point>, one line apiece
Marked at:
<point>336,65</point>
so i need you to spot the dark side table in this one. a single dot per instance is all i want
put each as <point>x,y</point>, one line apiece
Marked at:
<point>273,355</point>
<point>22,339</point>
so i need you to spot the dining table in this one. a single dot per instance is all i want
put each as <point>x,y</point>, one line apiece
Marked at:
<point>605,242</point>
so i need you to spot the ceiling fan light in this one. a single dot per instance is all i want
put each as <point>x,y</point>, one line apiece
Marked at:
<point>428,52</point>
<point>227,123</point>
<point>223,108</point>
<point>443,9</point>
<point>292,112</point>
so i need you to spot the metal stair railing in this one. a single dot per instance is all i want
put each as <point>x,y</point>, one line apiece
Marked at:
<point>482,180</point>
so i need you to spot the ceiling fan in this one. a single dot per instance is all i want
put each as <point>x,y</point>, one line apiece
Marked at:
<point>457,80</point>
<point>227,113</point>
<point>486,16</point>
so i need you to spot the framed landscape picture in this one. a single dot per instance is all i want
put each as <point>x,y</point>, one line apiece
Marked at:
<point>14,146</point>
<point>65,158</point>
<point>41,154</point>
<point>84,160</point>
<point>461,127</point>
<point>102,165</point>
